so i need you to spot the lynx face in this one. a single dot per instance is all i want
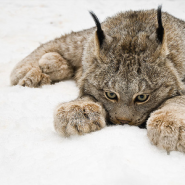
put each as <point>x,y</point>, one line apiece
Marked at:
<point>130,91</point>
<point>129,73</point>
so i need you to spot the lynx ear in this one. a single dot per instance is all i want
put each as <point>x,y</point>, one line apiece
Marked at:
<point>160,29</point>
<point>99,34</point>
<point>161,36</point>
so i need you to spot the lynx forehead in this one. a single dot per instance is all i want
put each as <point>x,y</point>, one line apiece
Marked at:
<point>130,69</point>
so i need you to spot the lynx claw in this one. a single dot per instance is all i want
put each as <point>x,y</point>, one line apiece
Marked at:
<point>78,118</point>
<point>166,130</point>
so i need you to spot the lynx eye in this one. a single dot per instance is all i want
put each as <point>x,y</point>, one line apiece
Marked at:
<point>111,95</point>
<point>142,98</point>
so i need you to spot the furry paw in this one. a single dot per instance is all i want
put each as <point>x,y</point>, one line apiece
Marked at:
<point>54,65</point>
<point>79,117</point>
<point>166,129</point>
<point>34,78</point>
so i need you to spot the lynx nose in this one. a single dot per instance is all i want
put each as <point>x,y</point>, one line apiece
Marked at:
<point>124,121</point>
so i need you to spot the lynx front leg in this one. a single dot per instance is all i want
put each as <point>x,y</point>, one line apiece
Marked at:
<point>166,126</point>
<point>79,117</point>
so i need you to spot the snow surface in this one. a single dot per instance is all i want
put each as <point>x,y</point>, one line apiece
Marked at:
<point>30,150</point>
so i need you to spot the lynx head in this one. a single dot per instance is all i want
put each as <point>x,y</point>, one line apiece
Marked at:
<point>126,66</point>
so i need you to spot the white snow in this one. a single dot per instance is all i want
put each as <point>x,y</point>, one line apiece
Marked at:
<point>30,150</point>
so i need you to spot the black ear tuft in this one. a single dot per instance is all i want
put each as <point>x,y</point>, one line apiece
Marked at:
<point>160,29</point>
<point>100,33</point>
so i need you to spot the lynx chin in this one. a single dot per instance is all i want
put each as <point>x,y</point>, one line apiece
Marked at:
<point>130,69</point>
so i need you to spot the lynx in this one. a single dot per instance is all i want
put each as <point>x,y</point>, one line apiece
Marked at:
<point>130,69</point>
